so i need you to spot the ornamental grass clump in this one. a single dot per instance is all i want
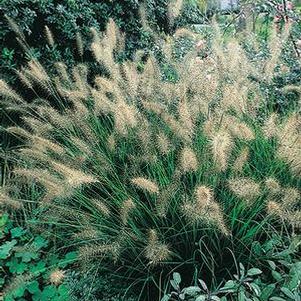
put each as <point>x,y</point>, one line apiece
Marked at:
<point>144,176</point>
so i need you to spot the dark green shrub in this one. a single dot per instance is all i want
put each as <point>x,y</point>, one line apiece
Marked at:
<point>67,18</point>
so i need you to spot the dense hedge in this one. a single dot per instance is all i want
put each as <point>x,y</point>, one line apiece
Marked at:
<point>66,18</point>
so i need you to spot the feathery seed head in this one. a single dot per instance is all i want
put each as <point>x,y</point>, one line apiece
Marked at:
<point>156,252</point>
<point>221,147</point>
<point>146,184</point>
<point>7,92</point>
<point>204,196</point>
<point>49,36</point>
<point>74,178</point>
<point>241,160</point>
<point>7,201</point>
<point>126,209</point>
<point>188,160</point>
<point>163,143</point>
<point>101,207</point>
<point>290,143</point>
<point>245,188</point>
<point>291,198</point>
<point>272,185</point>
<point>125,117</point>
<point>270,126</point>
<point>57,277</point>
<point>79,44</point>
<point>89,252</point>
<point>273,208</point>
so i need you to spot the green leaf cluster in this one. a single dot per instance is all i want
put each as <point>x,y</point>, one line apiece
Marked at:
<point>26,265</point>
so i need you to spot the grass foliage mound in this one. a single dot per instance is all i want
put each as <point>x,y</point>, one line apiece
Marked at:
<point>145,176</point>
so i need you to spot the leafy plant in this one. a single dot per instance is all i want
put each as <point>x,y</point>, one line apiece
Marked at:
<point>250,284</point>
<point>27,269</point>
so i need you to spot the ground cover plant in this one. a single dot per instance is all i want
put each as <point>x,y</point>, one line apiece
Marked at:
<point>145,174</point>
<point>36,273</point>
<point>279,281</point>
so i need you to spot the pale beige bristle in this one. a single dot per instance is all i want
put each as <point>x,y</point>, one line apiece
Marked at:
<point>79,44</point>
<point>270,126</point>
<point>24,79</point>
<point>49,36</point>
<point>74,178</point>
<point>155,251</point>
<point>188,160</point>
<point>204,209</point>
<point>241,160</point>
<point>125,117</point>
<point>7,92</point>
<point>37,71</point>
<point>245,188</point>
<point>272,185</point>
<point>289,136</point>
<point>291,198</point>
<point>6,201</point>
<point>89,252</point>
<point>174,9</point>
<point>101,207</point>
<point>204,196</point>
<point>163,143</point>
<point>273,208</point>
<point>240,130</point>
<point>221,147</point>
<point>57,277</point>
<point>126,209</point>
<point>146,184</point>
<point>185,116</point>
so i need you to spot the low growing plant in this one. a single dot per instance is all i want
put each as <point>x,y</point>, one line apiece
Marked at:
<point>252,284</point>
<point>28,270</point>
<point>132,169</point>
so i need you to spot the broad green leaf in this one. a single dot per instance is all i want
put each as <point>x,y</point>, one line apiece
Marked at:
<point>16,267</point>
<point>255,288</point>
<point>272,264</point>
<point>267,292</point>
<point>38,268</point>
<point>27,256</point>
<point>37,296</point>
<point>19,291</point>
<point>254,272</point>
<point>277,276</point>
<point>174,284</point>
<point>2,281</point>
<point>48,293</point>
<point>203,284</point>
<point>33,287</point>
<point>229,286</point>
<point>71,256</point>
<point>277,299</point>
<point>17,232</point>
<point>192,290</point>
<point>4,219</point>
<point>63,290</point>
<point>241,296</point>
<point>40,242</point>
<point>176,277</point>
<point>6,248</point>
<point>287,292</point>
